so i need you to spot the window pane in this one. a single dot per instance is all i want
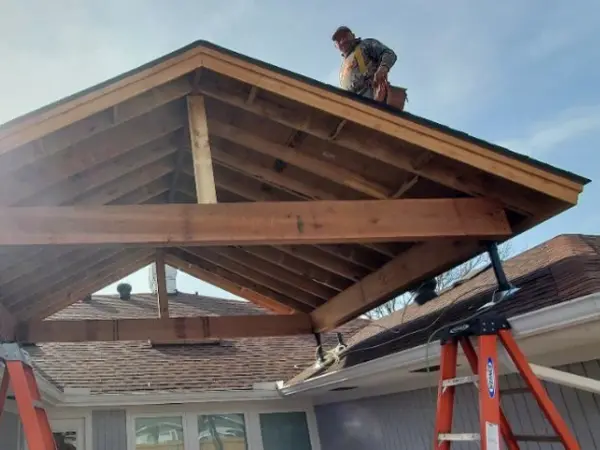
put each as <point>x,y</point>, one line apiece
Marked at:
<point>222,432</point>
<point>161,433</point>
<point>285,431</point>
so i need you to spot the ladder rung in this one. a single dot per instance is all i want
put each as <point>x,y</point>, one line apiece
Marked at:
<point>460,380</point>
<point>459,437</point>
<point>534,438</point>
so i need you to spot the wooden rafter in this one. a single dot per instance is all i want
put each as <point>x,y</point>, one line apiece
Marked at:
<point>413,266</point>
<point>227,285</point>
<point>271,223</point>
<point>383,151</point>
<point>89,280</point>
<point>239,280</point>
<point>319,167</point>
<point>166,329</point>
<point>267,280</point>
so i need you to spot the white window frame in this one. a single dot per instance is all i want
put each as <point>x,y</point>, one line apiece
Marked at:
<point>189,414</point>
<point>78,421</point>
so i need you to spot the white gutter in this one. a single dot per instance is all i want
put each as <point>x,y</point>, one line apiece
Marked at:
<point>563,315</point>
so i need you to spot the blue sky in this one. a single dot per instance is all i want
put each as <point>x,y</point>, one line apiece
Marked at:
<point>520,74</point>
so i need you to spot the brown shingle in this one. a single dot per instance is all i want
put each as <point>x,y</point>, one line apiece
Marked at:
<point>112,367</point>
<point>558,270</point>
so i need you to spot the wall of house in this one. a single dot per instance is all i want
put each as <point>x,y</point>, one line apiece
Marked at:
<point>406,420</point>
<point>109,430</point>
<point>9,431</point>
<point>264,425</point>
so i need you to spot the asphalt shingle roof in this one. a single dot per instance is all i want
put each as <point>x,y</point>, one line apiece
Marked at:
<point>133,366</point>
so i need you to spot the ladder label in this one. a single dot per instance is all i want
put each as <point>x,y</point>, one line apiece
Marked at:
<point>492,436</point>
<point>491,378</point>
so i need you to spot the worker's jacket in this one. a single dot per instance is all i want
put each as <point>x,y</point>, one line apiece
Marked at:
<point>361,63</point>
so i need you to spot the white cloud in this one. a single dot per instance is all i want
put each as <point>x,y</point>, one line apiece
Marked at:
<point>545,136</point>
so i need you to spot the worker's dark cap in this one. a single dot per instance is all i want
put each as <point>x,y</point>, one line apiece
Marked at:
<point>339,31</point>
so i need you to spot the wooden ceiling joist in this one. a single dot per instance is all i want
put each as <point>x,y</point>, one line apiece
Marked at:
<point>172,329</point>
<point>271,223</point>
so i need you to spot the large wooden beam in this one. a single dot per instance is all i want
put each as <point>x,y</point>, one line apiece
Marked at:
<point>228,286</point>
<point>270,223</point>
<point>413,266</point>
<point>167,329</point>
<point>203,169</point>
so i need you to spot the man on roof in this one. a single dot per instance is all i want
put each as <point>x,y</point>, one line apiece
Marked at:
<point>365,66</point>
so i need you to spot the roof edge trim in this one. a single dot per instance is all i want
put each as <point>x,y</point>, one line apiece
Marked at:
<point>571,313</point>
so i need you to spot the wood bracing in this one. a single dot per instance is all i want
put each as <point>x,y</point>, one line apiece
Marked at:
<point>293,195</point>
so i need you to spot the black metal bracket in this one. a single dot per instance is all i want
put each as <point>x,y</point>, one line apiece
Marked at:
<point>487,324</point>
<point>320,352</point>
<point>503,283</point>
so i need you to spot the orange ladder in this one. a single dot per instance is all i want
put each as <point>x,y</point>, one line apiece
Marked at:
<point>488,329</point>
<point>18,373</point>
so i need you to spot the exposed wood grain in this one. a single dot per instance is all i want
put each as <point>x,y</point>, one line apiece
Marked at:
<point>93,125</point>
<point>276,271</point>
<point>267,280</point>
<point>317,166</point>
<point>194,261</point>
<point>413,266</point>
<point>270,223</point>
<point>203,169</point>
<point>93,279</point>
<point>394,125</point>
<point>381,150</point>
<point>167,329</point>
<point>85,155</point>
<point>228,286</point>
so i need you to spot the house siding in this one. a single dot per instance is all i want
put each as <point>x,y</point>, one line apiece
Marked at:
<point>9,431</point>
<point>406,420</point>
<point>109,430</point>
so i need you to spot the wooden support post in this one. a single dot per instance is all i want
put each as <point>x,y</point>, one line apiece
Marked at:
<point>161,285</point>
<point>203,169</point>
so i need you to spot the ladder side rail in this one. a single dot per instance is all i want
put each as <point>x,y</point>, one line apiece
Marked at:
<point>445,399</point>
<point>505,428</point>
<point>539,392</point>
<point>3,389</point>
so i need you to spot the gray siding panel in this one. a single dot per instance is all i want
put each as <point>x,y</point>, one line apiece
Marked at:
<point>9,431</point>
<point>109,430</point>
<point>406,420</point>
